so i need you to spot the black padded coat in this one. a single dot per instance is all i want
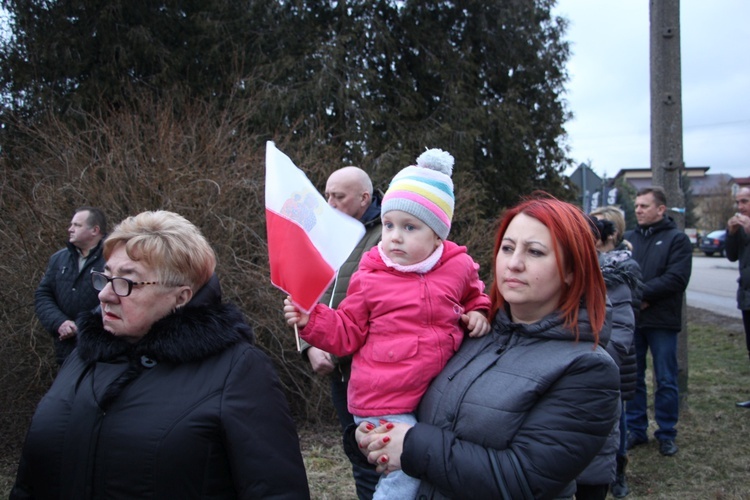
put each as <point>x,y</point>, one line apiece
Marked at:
<point>192,410</point>
<point>738,248</point>
<point>622,276</point>
<point>665,255</point>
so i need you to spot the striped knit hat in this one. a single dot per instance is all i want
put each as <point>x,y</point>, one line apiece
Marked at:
<point>425,191</point>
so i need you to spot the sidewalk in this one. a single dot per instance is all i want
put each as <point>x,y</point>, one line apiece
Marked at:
<point>713,286</point>
<point>709,302</point>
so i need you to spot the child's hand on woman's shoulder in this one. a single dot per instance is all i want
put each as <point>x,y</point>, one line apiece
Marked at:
<point>476,323</point>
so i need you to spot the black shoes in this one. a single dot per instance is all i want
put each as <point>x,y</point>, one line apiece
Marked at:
<point>667,447</point>
<point>620,488</point>
<point>635,440</point>
<point>744,404</point>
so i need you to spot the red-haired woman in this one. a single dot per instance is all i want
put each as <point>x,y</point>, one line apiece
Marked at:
<point>520,412</point>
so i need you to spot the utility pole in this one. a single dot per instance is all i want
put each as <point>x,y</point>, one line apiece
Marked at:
<point>666,133</point>
<point>585,189</point>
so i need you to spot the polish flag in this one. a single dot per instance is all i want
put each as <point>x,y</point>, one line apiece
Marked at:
<point>308,240</point>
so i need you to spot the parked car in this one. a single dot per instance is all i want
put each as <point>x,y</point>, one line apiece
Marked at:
<point>714,242</point>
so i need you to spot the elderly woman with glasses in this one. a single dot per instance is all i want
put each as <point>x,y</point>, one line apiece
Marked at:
<point>166,396</point>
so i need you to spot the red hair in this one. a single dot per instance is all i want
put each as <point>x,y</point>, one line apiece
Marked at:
<point>575,253</point>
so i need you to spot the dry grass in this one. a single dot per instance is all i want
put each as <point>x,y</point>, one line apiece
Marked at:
<point>328,471</point>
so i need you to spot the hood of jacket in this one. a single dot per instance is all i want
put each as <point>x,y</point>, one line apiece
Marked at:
<point>372,214</point>
<point>618,267</point>
<point>666,223</point>
<point>552,327</point>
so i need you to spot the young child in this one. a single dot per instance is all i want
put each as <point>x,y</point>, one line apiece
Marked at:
<point>406,307</point>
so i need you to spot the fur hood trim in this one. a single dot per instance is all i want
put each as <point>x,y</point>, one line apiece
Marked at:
<point>617,268</point>
<point>189,334</point>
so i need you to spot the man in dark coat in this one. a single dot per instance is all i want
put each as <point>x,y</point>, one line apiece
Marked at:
<point>665,255</point>
<point>738,248</point>
<point>348,190</point>
<point>66,289</point>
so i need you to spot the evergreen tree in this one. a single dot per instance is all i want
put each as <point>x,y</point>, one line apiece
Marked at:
<point>626,201</point>
<point>382,79</point>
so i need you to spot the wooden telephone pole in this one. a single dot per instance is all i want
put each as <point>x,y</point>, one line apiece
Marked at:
<point>666,133</point>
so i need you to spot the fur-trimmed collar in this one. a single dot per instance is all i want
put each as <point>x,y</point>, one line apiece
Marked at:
<point>619,267</point>
<point>188,334</point>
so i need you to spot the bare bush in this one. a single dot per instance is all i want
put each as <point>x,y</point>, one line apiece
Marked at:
<point>201,162</point>
<point>715,208</point>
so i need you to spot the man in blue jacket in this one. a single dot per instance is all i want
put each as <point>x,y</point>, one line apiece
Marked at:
<point>738,248</point>
<point>665,255</point>
<point>66,289</point>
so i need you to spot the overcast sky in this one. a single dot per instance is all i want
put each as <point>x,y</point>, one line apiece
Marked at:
<point>608,91</point>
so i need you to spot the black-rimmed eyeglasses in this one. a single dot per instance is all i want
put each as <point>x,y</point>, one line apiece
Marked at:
<point>121,286</point>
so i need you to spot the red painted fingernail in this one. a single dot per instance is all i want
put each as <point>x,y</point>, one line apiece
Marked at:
<point>389,426</point>
<point>369,426</point>
<point>383,421</point>
<point>386,439</point>
<point>383,459</point>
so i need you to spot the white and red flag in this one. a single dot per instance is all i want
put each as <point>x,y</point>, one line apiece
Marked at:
<point>308,240</point>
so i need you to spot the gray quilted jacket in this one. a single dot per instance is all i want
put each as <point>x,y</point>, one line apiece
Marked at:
<point>517,414</point>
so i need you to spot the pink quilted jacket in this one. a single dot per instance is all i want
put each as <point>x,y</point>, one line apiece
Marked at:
<point>400,327</point>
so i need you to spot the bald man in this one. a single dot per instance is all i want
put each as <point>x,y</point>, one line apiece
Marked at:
<point>738,248</point>
<point>348,190</point>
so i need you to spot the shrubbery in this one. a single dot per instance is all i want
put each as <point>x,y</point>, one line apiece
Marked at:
<point>199,162</point>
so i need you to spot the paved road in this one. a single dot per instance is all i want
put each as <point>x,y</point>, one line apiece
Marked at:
<point>713,285</point>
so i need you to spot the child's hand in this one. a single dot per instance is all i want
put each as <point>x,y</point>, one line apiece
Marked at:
<point>293,315</point>
<point>476,323</point>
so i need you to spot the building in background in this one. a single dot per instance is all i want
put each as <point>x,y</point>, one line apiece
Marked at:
<point>711,194</point>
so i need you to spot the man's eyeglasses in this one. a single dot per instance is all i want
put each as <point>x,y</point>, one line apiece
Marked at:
<point>121,286</point>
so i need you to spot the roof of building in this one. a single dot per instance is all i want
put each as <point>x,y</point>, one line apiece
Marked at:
<point>640,173</point>
<point>701,183</point>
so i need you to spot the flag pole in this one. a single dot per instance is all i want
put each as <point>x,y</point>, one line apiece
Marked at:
<point>296,338</point>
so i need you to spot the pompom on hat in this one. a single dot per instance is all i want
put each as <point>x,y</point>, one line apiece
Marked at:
<point>425,190</point>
